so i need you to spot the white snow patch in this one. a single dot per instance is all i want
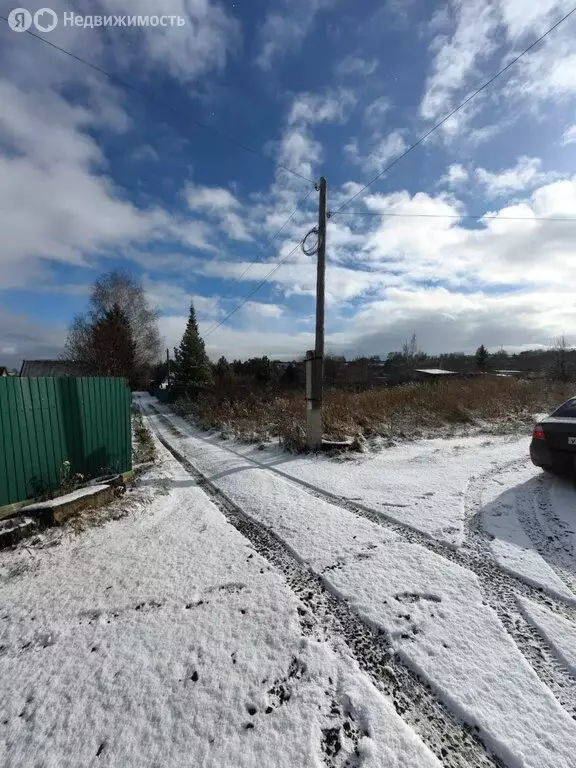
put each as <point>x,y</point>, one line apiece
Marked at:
<point>159,639</point>
<point>512,547</point>
<point>559,632</point>
<point>421,484</point>
<point>431,609</point>
<point>79,493</point>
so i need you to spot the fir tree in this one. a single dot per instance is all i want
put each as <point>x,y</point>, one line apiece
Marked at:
<point>112,346</point>
<point>193,370</point>
<point>481,358</point>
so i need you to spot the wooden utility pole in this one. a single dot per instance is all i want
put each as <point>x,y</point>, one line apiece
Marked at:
<point>315,359</point>
<point>168,365</point>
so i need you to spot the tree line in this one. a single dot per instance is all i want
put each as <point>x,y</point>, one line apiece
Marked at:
<point>118,335</point>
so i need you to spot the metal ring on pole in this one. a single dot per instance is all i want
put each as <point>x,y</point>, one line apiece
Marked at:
<point>314,249</point>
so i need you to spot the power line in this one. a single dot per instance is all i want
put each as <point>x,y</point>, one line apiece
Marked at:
<point>454,216</point>
<point>264,247</point>
<point>179,113</point>
<point>253,291</point>
<point>454,111</point>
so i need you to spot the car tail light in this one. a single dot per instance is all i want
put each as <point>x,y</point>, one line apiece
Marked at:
<point>538,433</point>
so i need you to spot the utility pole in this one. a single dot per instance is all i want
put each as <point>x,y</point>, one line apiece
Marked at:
<point>315,359</point>
<point>168,366</point>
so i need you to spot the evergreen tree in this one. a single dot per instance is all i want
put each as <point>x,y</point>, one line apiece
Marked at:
<point>222,369</point>
<point>112,346</point>
<point>193,370</point>
<point>289,378</point>
<point>561,369</point>
<point>481,358</point>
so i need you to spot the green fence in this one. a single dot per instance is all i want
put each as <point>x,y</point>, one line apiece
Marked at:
<point>45,422</point>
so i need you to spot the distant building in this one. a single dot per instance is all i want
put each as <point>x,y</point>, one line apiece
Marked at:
<point>432,374</point>
<point>51,369</point>
<point>511,373</point>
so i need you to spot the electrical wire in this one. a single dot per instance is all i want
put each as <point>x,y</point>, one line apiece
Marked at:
<point>454,111</point>
<point>253,291</point>
<point>314,249</point>
<point>179,113</point>
<point>221,135</point>
<point>264,248</point>
<point>455,216</point>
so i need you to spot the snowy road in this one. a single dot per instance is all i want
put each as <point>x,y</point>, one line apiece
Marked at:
<point>413,607</point>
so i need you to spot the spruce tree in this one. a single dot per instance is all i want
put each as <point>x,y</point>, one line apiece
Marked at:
<point>482,358</point>
<point>113,347</point>
<point>193,370</point>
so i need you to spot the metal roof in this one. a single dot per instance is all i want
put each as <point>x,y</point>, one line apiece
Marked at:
<point>51,368</point>
<point>435,371</point>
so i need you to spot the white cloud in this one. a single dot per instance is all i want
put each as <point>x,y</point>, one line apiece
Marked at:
<point>457,56</point>
<point>469,48</point>
<point>212,199</point>
<point>531,17</point>
<point>375,111</point>
<point>145,153</point>
<point>379,155</point>
<point>455,175</point>
<point>286,27</point>
<point>256,310</point>
<point>55,202</point>
<point>52,204</point>
<point>26,339</point>
<point>569,136</point>
<point>525,175</point>
<point>356,65</point>
<point>312,108</point>
<point>502,251</point>
<point>171,297</point>
<point>299,151</point>
<point>201,45</point>
<point>222,204</point>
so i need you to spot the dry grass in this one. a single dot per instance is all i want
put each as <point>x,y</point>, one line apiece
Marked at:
<point>144,449</point>
<point>411,411</point>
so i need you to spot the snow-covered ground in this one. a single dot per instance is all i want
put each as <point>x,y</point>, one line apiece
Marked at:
<point>421,484</point>
<point>163,639</point>
<point>413,607</point>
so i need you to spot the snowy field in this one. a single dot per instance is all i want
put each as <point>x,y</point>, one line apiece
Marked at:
<point>410,608</point>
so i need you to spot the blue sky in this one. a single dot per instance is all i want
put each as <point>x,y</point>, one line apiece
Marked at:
<point>94,175</point>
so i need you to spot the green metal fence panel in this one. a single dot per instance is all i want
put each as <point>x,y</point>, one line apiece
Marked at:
<point>46,422</point>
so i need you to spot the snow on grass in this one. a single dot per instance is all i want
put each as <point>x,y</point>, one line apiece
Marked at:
<point>511,545</point>
<point>420,484</point>
<point>560,633</point>
<point>431,609</point>
<point>163,639</point>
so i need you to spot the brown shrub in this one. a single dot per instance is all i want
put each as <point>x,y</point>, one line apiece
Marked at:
<point>413,410</point>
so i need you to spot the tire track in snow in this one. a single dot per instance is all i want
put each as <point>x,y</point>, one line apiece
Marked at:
<point>501,592</point>
<point>547,533</point>
<point>324,614</point>
<point>498,586</point>
<point>473,557</point>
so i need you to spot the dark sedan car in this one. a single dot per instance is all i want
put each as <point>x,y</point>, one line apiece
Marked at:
<point>553,445</point>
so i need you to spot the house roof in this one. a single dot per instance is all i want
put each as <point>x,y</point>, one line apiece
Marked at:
<point>51,368</point>
<point>504,371</point>
<point>435,372</point>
